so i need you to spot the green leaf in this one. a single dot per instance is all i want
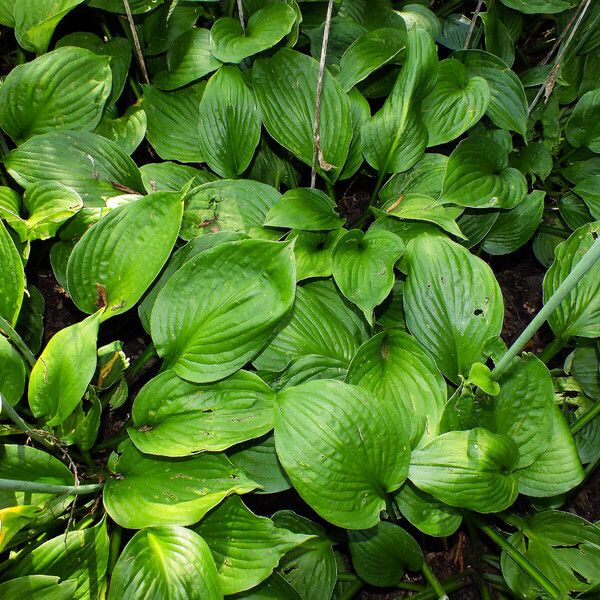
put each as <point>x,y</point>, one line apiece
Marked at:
<point>274,588</point>
<point>86,162</point>
<point>584,366</point>
<point>265,28</point>
<point>589,190</point>
<point>508,105</point>
<point>360,111</point>
<point>307,209</point>
<point>116,6</point>
<point>363,267</point>
<point>322,323</point>
<point>579,312</point>
<point>470,469</point>
<point>165,562</point>
<point>80,556</point>
<point>246,548</point>
<point>174,122</point>
<point>452,302</point>
<point>247,287</point>
<point>259,461</point>
<point>13,277</point>
<point>393,365</point>
<point>534,160</point>
<point>368,53</point>
<point>395,138</point>
<point>498,40</point>
<point>20,462</point>
<point>480,376</point>
<point>12,372</point>
<point>172,177</point>
<point>127,131</point>
<point>313,252</point>
<point>310,567</point>
<point>532,7</point>
<point>563,546</point>
<point>117,259</point>
<point>172,417</point>
<point>64,89</point>
<point>456,102</point>
<point>63,371</point>
<point>285,87</point>
<point>478,175</point>
<point>39,587</point>
<point>514,228</point>
<point>147,491</point>
<point>426,513</point>
<point>188,59</point>
<point>583,128</point>
<point>342,448</point>
<point>381,554</point>
<point>35,22</point>
<point>558,469</point>
<point>229,127</point>
<point>229,205</point>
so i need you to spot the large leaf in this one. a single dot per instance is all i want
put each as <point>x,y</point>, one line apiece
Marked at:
<point>246,289</point>
<point>478,175</point>
<point>583,128</point>
<point>117,259</point>
<point>188,59</point>
<point>363,267</point>
<point>393,365</point>
<point>229,128</point>
<point>39,587</point>
<point>472,469</point>
<point>165,562</point>
<point>381,554</point>
<point>342,448</point>
<point>64,89</point>
<point>80,555</point>
<point>508,105</point>
<point>452,302</point>
<point>63,371</point>
<point>173,417</point>
<point>36,20</point>
<point>245,547</point>
<point>174,122</point>
<point>229,205</point>
<point>563,546</point>
<point>321,324</point>
<point>456,102</point>
<point>539,6</point>
<point>86,162</point>
<point>144,491</point>
<point>285,86</point>
<point>395,138</point>
<point>12,372</point>
<point>13,277</point>
<point>265,28</point>
<point>579,312</point>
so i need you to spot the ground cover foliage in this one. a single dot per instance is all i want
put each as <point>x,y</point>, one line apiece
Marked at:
<point>269,363</point>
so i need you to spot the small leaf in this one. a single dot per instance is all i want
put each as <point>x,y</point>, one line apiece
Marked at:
<point>13,277</point>
<point>12,373</point>
<point>342,448</point>
<point>39,587</point>
<point>313,252</point>
<point>146,492</point>
<point>583,128</point>
<point>481,376</point>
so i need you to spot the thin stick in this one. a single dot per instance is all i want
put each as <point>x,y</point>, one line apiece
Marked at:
<point>472,25</point>
<point>548,86</point>
<point>136,42</point>
<point>316,122</point>
<point>433,581</point>
<point>588,260</point>
<point>585,418</point>
<point>241,14</point>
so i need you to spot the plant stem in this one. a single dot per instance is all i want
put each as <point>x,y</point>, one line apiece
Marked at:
<point>585,418</point>
<point>519,558</point>
<point>114,548</point>
<point>17,340</point>
<point>564,289</point>
<point>411,587</point>
<point>136,42</point>
<point>140,362</point>
<point>452,585</point>
<point>552,349</point>
<point>433,581</point>
<point>12,414</point>
<point>241,15</point>
<point>555,231</point>
<point>472,25</point>
<point>113,441</point>
<point>15,485</point>
<point>352,591</point>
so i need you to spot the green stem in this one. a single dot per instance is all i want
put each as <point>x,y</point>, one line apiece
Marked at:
<point>585,418</point>
<point>552,349</point>
<point>411,587</point>
<point>12,414</point>
<point>556,231</point>
<point>433,581</point>
<point>330,189</point>
<point>564,289</point>
<point>352,591</point>
<point>113,441</point>
<point>140,362</point>
<point>520,559</point>
<point>366,213</point>
<point>450,586</point>
<point>15,485</point>
<point>115,547</point>
<point>17,340</point>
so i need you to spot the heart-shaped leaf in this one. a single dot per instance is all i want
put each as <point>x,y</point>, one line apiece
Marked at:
<point>117,259</point>
<point>221,307</point>
<point>173,417</point>
<point>146,492</point>
<point>313,252</point>
<point>342,448</point>
<point>165,562</point>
